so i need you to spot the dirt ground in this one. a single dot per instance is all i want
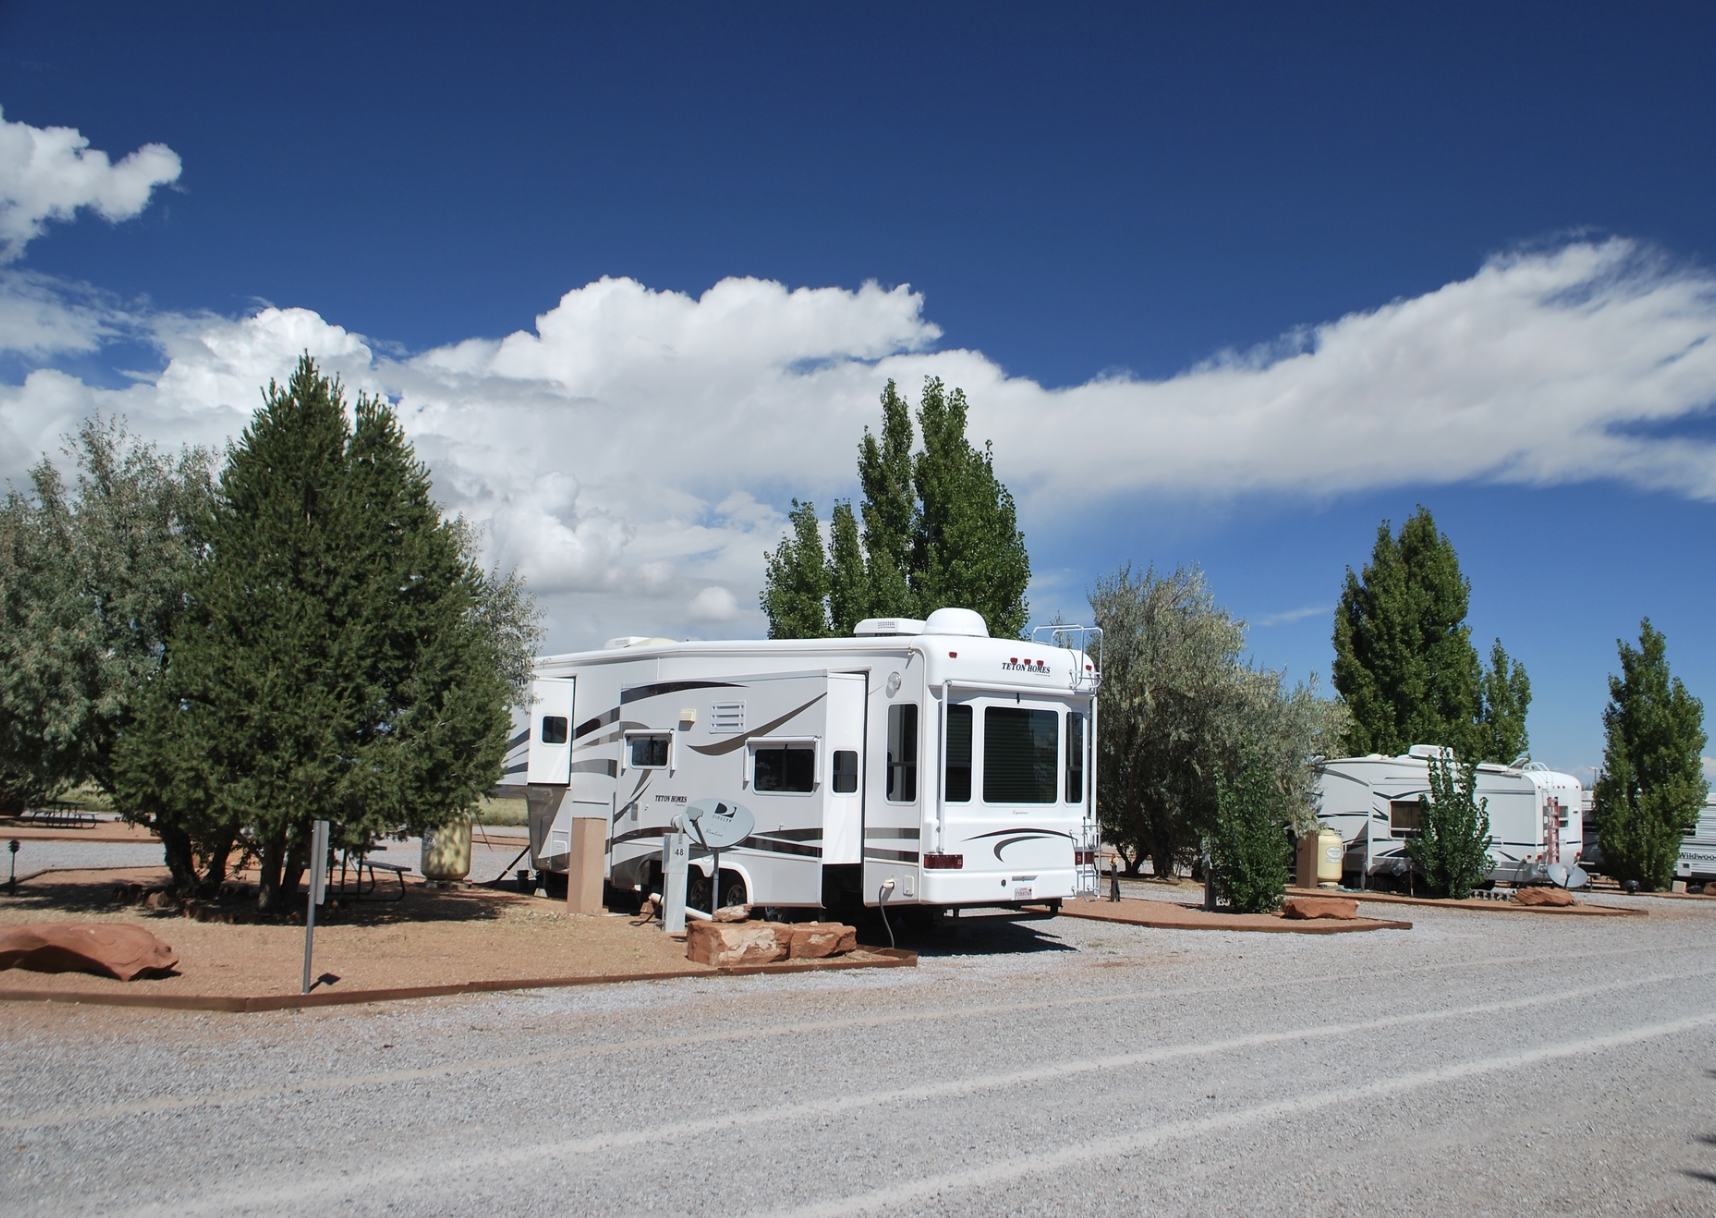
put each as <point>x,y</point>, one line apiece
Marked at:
<point>432,937</point>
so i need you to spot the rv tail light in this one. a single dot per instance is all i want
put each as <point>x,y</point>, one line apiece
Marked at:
<point>1084,858</point>
<point>944,862</point>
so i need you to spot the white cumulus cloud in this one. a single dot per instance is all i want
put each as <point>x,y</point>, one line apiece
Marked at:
<point>633,451</point>
<point>48,173</point>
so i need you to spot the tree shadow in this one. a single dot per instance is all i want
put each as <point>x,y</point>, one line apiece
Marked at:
<point>125,892</point>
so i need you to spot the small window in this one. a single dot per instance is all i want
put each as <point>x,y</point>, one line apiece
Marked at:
<point>903,753</point>
<point>785,767</point>
<point>1021,749</point>
<point>845,771</point>
<point>1403,818</point>
<point>648,752</point>
<point>1075,757</point>
<point>958,754</point>
<point>554,729</point>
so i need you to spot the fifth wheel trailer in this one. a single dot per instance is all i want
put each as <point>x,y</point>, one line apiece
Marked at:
<point>1372,802</point>
<point>916,763</point>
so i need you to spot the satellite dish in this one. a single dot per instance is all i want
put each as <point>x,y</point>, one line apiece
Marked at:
<point>717,825</point>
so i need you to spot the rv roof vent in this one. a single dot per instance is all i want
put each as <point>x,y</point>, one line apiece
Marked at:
<point>1428,752</point>
<point>632,640</point>
<point>887,625</point>
<point>957,621</point>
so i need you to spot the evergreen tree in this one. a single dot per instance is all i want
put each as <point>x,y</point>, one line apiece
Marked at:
<point>343,657</point>
<point>795,582</point>
<point>1249,846</point>
<point>1451,849</point>
<point>1652,784</point>
<point>91,580</point>
<point>967,549</point>
<point>939,529</point>
<point>1404,659</point>
<point>889,509</point>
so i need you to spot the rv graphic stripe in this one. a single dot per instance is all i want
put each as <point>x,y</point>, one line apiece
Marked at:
<point>892,856</point>
<point>739,742</point>
<point>639,692</point>
<point>1012,837</point>
<point>610,768</point>
<point>780,847</point>
<point>601,720</point>
<point>910,835</point>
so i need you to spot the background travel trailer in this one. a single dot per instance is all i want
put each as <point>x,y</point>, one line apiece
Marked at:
<point>1372,802</point>
<point>914,763</point>
<point>1697,862</point>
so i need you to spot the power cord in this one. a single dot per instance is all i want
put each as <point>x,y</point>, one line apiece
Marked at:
<point>882,905</point>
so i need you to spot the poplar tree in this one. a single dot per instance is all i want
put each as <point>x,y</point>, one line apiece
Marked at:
<point>795,583</point>
<point>938,529</point>
<point>889,510</point>
<point>1404,659</point>
<point>342,657</point>
<point>1652,784</point>
<point>1451,849</point>
<point>967,549</point>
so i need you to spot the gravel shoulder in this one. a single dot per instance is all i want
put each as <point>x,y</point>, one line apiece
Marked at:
<point>1484,1065</point>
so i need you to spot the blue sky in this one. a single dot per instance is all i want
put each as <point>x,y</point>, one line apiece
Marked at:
<point>1228,284</point>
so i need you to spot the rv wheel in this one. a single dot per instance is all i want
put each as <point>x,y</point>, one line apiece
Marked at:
<point>733,889</point>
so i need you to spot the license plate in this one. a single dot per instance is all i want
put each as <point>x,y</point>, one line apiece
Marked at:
<point>1021,894</point>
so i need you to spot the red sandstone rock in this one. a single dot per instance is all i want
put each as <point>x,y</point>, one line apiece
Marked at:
<point>815,940</point>
<point>728,943</point>
<point>1343,908</point>
<point>107,949</point>
<point>733,913</point>
<point>1544,896</point>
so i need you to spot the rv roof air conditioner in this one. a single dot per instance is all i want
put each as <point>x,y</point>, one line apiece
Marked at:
<point>957,621</point>
<point>874,626</point>
<point>632,640</point>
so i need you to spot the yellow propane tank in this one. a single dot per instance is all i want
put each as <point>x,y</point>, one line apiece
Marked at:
<point>1330,851</point>
<point>447,852</point>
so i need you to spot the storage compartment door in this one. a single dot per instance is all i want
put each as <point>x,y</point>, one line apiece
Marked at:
<point>550,731</point>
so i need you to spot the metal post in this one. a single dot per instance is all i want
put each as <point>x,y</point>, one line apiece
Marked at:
<point>715,883</point>
<point>318,891</point>
<point>12,882</point>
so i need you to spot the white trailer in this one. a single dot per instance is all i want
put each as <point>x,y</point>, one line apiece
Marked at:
<point>1697,862</point>
<point>1536,817</point>
<point>916,763</point>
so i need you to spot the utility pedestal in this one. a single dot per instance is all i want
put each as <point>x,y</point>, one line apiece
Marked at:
<point>1305,869</point>
<point>585,864</point>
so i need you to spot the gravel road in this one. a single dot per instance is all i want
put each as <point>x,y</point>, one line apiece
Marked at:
<point>1482,1063</point>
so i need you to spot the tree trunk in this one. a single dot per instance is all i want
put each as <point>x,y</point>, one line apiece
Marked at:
<point>269,901</point>
<point>181,863</point>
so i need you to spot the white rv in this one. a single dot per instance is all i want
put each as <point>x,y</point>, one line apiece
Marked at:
<point>1697,862</point>
<point>916,763</point>
<point>1536,817</point>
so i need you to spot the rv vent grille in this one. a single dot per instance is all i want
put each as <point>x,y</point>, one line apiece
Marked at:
<point>727,717</point>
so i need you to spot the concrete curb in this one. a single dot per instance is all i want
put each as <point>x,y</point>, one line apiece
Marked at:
<point>890,958</point>
<point>1389,898</point>
<point>1266,924</point>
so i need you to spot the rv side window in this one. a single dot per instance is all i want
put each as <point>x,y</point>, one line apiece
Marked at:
<point>553,729</point>
<point>1403,818</point>
<point>785,767</point>
<point>1075,757</point>
<point>845,771</point>
<point>958,754</point>
<point>1021,749</point>
<point>648,752</point>
<point>903,753</point>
